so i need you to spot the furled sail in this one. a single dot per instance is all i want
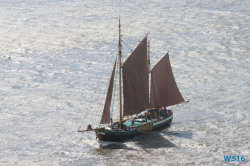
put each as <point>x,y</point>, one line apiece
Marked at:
<point>164,90</point>
<point>135,80</point>
<point>106,110</point>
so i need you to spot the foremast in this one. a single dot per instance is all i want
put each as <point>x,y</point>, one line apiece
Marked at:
<point>120,73</point>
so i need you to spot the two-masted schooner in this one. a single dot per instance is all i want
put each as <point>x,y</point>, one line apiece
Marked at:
<point>139,112</point>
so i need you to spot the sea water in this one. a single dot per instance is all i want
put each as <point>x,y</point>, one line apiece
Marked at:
<point>55,62</point>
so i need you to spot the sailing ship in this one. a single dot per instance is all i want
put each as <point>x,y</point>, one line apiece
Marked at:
<point>142,109</point>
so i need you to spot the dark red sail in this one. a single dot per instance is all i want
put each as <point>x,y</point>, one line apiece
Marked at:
<point>135,80</point>
<point>164,91</point>
<point>106,110</point>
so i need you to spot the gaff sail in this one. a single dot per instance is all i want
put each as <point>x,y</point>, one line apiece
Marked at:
<point>135,80</point>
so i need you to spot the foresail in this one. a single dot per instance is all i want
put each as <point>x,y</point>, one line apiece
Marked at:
<point>164,90</point>
<point>106,110</point>
<point>135,80</point>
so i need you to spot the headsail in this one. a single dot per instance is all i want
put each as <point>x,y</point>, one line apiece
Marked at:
<point>135,80</point>
<point>106,110</point>
<point>164,90</point>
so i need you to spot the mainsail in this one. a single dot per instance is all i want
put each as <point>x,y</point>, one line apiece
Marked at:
<point>135,80</point>
<point>106,110</point>
<point>164,91</point>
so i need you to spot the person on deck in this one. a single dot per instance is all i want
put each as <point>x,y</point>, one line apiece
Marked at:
<point>159,112</point>
<point>133,121</point>
<point>124,127</point>
<point>164,112</point>
<point>89,127</point>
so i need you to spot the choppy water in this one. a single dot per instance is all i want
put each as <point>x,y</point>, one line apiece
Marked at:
<point>56,58</point>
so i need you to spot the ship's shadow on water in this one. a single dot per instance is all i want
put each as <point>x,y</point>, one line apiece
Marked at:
<point>157,139</point>
<point>180,134</point>
<point>153,140</point>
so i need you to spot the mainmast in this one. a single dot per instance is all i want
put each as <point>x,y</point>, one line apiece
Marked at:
<point>120,73</point>
<point>148,54</point>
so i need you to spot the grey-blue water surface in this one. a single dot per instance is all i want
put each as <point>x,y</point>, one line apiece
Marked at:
<point>55,62</point>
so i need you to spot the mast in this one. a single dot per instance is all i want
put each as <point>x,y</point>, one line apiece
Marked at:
<point>148,56</point>
<point>148,53</point>
<point>120,72</point>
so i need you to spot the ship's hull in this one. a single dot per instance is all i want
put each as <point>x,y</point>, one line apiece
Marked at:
<point>108,134</point>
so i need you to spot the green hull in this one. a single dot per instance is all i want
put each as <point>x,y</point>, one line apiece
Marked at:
<point>132,130</point>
